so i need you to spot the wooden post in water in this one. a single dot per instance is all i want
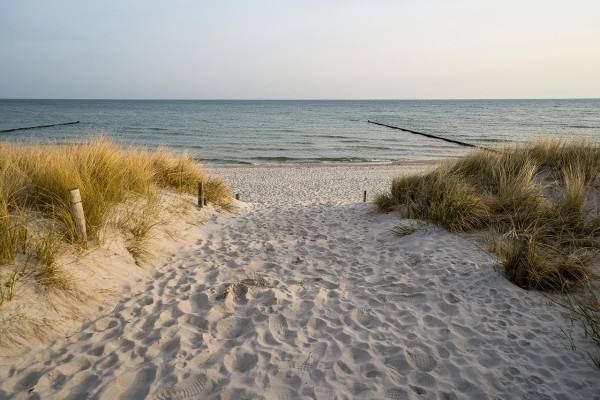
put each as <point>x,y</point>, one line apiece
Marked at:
<point>237,196</point>
<point>365,196</point>
<point>78,216</point>
<point>201,199</point>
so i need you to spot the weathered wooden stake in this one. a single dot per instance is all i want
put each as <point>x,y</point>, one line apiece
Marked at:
<point>205,202</point>
<point>201,200</point>
<point>237,196</point>
<point>78,216</point>
<point>365,197</point>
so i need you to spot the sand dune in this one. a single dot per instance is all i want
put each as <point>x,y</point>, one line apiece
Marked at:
<point>306,293</point>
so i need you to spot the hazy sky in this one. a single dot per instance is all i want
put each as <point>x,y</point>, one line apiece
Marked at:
<point>304,49</point>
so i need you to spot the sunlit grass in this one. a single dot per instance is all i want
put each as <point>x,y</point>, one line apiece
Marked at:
<point>534,196</point>
<point>118,185</point>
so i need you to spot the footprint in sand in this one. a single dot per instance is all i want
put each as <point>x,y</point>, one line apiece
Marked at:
<point>419,357</point>
<point>233,327</point>
<point>199,302</point>
<point>278,326</point>
<point>331,314</point>
<point>398,362</point>
<point>358,355</point>
<point>450,298</point>
<point>413,298</point>
<point>311,356</point>
<point>240,360</point>
<point>396,394</point>
<point>195,387</point>
<point>132,385</point>
<point>364,316</point>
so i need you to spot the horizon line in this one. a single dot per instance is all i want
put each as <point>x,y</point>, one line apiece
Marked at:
<point>301,99</point>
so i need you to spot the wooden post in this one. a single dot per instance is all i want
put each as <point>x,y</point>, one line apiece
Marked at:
<point>365,197</point>
<point>205,202</point>
<point>201,200</point>
<point>237,196</point>
<point>78,216</point>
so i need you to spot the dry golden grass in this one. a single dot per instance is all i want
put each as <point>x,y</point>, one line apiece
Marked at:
<point>535,196</point>
<point>35,216</point>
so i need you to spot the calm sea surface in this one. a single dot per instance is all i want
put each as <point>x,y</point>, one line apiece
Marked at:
<point>274,132</point>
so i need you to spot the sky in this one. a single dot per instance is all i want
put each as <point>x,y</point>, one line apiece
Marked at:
<point>299,49</point>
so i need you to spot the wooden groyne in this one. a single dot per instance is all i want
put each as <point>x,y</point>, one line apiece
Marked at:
<point>39,126</point>
<point>431,136</point>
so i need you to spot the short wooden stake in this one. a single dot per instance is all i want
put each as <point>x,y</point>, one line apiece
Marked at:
<point>201,200</point>
<point>78,216</point>
<point>365,196</point>
<point>237,196</point>
<point>205,202</point>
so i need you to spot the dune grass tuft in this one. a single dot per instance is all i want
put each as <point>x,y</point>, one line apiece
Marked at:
<point>384,202</point>
<point>118,185</point>
<point>536,196</point>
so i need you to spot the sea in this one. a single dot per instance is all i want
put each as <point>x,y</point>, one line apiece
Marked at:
<point>257,132</point>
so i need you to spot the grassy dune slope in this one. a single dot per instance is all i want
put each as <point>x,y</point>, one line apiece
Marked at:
<point>120,189</point>
<point>539,202</point>
<point>540,199</point>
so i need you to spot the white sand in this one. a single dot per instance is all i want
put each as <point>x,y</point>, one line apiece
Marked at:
<point>308,294</point>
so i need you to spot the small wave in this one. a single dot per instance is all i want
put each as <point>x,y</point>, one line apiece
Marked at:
<point>279,158</point>
<point>583,127</point>
<point>267,149</point>
<point>143,129</point>
<point>287,130</point>
<point>302,142</point>
<point>222,161</point>
<point>371,147</point>
<point>491,140</point>
<point>333,136</point>
<point>316,160</point>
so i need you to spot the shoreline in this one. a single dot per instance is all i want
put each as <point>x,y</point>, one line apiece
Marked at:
<point>327,164</point>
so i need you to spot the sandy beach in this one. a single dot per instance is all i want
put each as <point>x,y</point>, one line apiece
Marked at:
<point>306,293</point>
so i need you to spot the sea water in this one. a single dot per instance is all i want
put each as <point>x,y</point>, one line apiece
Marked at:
<point>284,132</point>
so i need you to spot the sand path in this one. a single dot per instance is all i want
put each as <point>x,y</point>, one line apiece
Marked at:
<point>309,294</point>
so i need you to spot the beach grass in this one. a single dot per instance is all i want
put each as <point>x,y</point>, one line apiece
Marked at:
<point>540,199</point>
<point>539,203</point>
<point>120,189</point>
